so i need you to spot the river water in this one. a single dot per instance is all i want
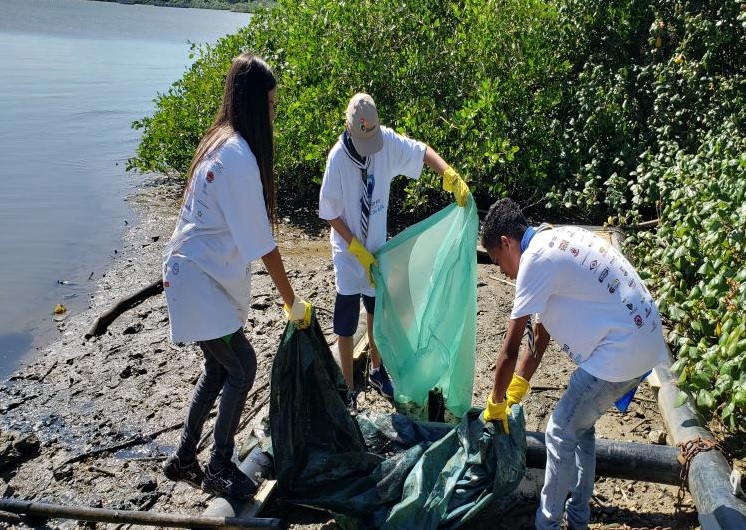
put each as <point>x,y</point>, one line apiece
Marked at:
<point>74,75</point>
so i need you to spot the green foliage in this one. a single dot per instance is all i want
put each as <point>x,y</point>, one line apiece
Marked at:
<point>655,125</point>
<point>647,80</point>
<point>631,108</point>
<point>697,264</point>
<point>475,81</point>
<point>602,105</point>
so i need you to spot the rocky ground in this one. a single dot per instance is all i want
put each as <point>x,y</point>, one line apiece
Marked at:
<point>127,392</point>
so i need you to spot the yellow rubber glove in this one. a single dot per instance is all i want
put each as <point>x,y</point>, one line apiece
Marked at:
<point>365,258</point>
<point>453,182</point>
<point>299,314</point>
<point>518,388</point>
<point>496,412</point>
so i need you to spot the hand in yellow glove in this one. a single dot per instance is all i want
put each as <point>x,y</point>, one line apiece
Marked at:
<point>365,258</point>
<point>453,182</point>
<point>299,314</point>
<point>518,388</point>
<point>496,412</point>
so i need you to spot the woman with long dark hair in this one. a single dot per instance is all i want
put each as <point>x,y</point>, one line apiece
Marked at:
<point>226,223</point>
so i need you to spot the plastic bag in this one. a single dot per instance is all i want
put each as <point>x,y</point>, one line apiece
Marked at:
<point>379,470</point>
<point>461,473</point>
<point>426,309</point>
<point>319,451</point>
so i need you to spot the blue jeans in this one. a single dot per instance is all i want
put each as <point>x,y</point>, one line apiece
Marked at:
<point>230,367</point>
<point>571,449</point>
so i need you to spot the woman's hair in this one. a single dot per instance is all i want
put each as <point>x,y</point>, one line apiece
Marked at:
<point>504,219</point>
<point>245,110</point>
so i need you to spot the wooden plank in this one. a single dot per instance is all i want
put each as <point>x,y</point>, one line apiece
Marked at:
<point>255,505</point>
<point>360,348</point>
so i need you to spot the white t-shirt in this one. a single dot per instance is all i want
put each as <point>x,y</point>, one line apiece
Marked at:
<point>223,227</point>
<point>341,194</point>
<point>592,302</point>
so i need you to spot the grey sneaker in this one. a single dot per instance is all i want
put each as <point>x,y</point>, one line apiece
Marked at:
<point>228,481</point>
<point>181,470</point>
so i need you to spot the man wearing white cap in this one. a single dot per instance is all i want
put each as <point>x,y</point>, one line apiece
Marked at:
<point>354,200</point>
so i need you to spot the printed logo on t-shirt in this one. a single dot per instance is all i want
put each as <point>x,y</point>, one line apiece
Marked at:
<point>604,274</point>
<point>613,285</point>
<point>210,176</point>
<point>166,284</point>
<point>376,207</point>
<point>574,251</point>
<point>576,358</point>
<point>602,250</point>
<point>563,245</point>
<point>638,321</point>
<point>624,271</point>
<point>594,264</point>
<point>175,268</point>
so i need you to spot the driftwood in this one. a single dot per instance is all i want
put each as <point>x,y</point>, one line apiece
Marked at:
<point>102,322</point>
<point>46,510</point>
<point>137,440</point>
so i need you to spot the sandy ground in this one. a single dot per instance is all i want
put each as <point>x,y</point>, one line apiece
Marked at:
<point>81,395</point>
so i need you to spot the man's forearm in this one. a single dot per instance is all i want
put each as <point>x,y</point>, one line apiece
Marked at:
<point>342,229</point>
<point>506,361</point>
<point>530,361</point>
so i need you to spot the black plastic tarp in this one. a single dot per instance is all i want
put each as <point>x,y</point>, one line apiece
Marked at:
<point>380,470</point>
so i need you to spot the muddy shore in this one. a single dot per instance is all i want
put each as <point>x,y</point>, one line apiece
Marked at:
<point>130,388</point>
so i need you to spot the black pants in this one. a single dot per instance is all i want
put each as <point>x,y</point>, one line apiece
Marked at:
<point>230,367</point>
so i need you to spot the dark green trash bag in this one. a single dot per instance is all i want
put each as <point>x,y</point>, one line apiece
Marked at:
<point>319,452</point>
<point>460,474</point>
<point>379,470</point>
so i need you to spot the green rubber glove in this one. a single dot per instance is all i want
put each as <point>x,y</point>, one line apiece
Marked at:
<point>496,412</point>
<point>365,258</point>
<point>299,313</point>
<point>453,182</point>
<point>518,388</point>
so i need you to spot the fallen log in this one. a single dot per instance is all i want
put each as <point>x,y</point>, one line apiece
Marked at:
<point>100,325</point>
<point>58,511</point>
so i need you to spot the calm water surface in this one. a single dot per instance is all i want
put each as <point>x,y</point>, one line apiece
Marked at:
<point>75,74</point>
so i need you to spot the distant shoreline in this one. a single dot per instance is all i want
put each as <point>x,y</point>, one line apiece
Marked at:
<point>247,6</point>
